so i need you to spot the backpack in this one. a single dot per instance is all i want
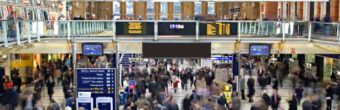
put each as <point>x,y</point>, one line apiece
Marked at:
<point>221,100</point>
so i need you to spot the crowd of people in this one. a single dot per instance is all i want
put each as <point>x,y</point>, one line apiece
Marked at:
<point>157,85</point>
<point>29,95</point>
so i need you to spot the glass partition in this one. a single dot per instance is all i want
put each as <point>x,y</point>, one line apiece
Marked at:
<point>325,31</point>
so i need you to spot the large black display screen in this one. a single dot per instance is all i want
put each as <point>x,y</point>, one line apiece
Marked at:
<point>176,50</point>
<point>259,49</point>
<point>219,29</point>
<point>134,28</point>
<point>92,49</point>
<point>176,28</point>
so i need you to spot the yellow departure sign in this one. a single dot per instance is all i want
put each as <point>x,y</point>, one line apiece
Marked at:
<point>135,28</point>
<point>218,29</point>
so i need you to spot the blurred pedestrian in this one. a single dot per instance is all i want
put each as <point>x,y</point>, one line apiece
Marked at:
<point>251,88</point>
<point>50,85</point>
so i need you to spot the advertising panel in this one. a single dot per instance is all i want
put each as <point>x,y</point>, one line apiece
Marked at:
<point>219,29</point>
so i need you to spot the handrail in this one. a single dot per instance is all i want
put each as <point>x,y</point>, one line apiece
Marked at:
<point>245,29</point>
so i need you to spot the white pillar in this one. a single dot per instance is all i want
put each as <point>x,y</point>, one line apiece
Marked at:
<point>284,10</point>
<point>306,10</point>
<point>293,10</point>
<point>323,10</point>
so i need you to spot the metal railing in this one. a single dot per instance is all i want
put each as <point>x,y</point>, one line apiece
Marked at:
<point>28,31</point>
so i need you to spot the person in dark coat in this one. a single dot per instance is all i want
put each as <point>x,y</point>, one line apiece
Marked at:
<point>50,85</point>
<point>275,100</point>
<point>275,83</point>
<point>262,82</point>
<point>184,78</point>
<point>293,103</point>
<point>17,83</point>
<point>329,97</point>
<point>299,93</point>
<point>266,98</point>
<point>316,102</point>
<point>307,104</point>
<point>251,89</point>
<point>186,103</point>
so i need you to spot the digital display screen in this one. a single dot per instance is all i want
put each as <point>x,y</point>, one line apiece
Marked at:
<point>219,28</point>
<point>135,28</point>
<point>259,49</point>
<point>176,28</point>
<point>92,49</point>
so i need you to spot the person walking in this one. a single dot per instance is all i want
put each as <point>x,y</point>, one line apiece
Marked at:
<point>266,99</point>
<point>186,103</point>
<point>329,97</point>
<point>275,100</point>
<point>299,93</point>
<point>251,88</point>
<point>293,102</point>
<point>50,85</point>
<point>307,104</point>
<point>236,102</point>
<point>242,86</point>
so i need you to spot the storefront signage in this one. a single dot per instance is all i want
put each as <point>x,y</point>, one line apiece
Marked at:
<point>135,28</point>
<point>219,28</point>
<point>176,28</point>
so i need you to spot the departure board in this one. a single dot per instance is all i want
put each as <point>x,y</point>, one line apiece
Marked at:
<point>219,29</point>
<point>135,28</point>
<point>96,81</point>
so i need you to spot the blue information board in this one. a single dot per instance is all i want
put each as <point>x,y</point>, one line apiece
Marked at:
<point>100,82</point>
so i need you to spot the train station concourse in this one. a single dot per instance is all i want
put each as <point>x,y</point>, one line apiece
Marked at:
<point>169,55</point>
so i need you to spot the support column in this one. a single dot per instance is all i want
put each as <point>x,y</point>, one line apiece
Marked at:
<point>284,10</point>
<point>117,76</point>
<point>74,62</point>
<point>5,38</point>
<point>306,10</point>
<point>323,10</point>
<point>293,10</point>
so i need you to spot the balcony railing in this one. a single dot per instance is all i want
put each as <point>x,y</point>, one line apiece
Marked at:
<point>27,31</point>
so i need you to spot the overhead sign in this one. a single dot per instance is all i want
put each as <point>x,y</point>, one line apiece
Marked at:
<point>176,28</point>
<point>135,28</point>
<point>219,29</point>
<point>96,81</point>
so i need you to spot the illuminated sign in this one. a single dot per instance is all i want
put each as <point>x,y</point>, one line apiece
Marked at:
<point>134,28</point>
<point>176,26</point>
<point>219,29</point>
